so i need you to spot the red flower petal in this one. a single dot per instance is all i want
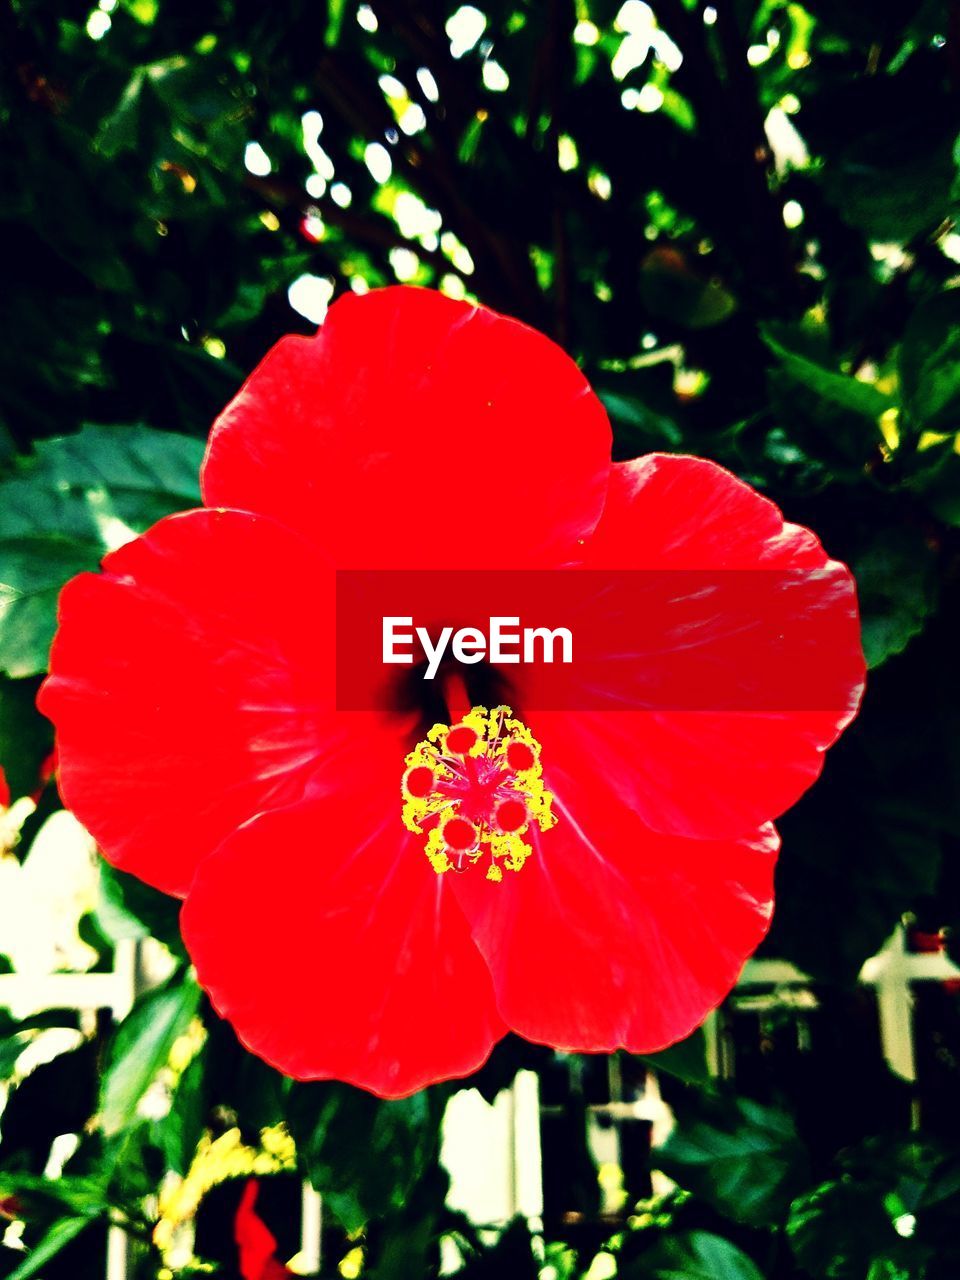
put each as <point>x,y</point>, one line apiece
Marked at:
<point>669,511</point>
<point>715,773</point>
<point>699,774</point>
<point>4,791</point>
<point>417,432</point>
<point>192,686</point>
<point>322,934</point>
<point>256,1243</point>
<point>611,936</point>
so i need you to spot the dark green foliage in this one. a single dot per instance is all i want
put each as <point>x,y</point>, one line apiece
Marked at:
<point>891,1211</point>
<point>788,306</point>
<point>141,1048</point>
<point>66,505</point>
<point>128,908</point>
<point>694,1255</point>
<point>364,1155</point>
<point>742,1158</point>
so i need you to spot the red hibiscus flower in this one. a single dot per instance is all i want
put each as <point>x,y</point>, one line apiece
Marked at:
<point>376,901</point>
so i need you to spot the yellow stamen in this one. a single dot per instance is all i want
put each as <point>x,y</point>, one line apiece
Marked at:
<point>471,787</point>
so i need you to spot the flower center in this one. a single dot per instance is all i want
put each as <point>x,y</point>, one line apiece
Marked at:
<point>475,790</point>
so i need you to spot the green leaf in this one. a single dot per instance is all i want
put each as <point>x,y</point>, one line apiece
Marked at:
<point>830,421</point>
<point>179,1132</point>
<point>694,1255</point>
<point>739,1156</point>
<point>32,572</point>
<point>639,428</point>
<point>173,95</point>
<point>144,11</point>
<point>890,1214</point>
<point>122,128</point>
<point>133,473</point>
<point>939,485</point>
<point>141,1047</point>
<point>838,389</point>
<point>672,290</point>
<point>886,142</point>
<point>128,908</point>
<point>364,1154</point>
<point>892,203</point>
<point>335,12</point>
<point>930,364</point>
<point>897,588</point>
<point>42,1197</point>
<point>687,1059</point>
<point>57,1238</point>
<point>835,1230</point>
<point>26,737</point>
<point>74,500</point>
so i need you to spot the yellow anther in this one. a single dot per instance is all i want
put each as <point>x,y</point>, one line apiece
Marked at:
<point>472,786</point>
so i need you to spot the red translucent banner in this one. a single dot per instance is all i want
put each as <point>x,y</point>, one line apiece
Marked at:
<point>731,640</point>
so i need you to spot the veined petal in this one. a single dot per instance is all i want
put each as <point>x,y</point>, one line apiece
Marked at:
<point>672,511</point>
<point>612,936</point>
<point>324,937</point>
<point>415,431</point>
<point>192,687</point>
<point>718,770</point>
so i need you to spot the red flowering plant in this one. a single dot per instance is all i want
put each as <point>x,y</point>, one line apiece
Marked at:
<point>256,1243</point>
<point>377,895</point>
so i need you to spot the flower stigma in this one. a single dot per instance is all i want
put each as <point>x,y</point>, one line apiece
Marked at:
<point>475,789</point>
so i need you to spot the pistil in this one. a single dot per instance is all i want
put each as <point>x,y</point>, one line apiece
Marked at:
<point>475,790</point>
